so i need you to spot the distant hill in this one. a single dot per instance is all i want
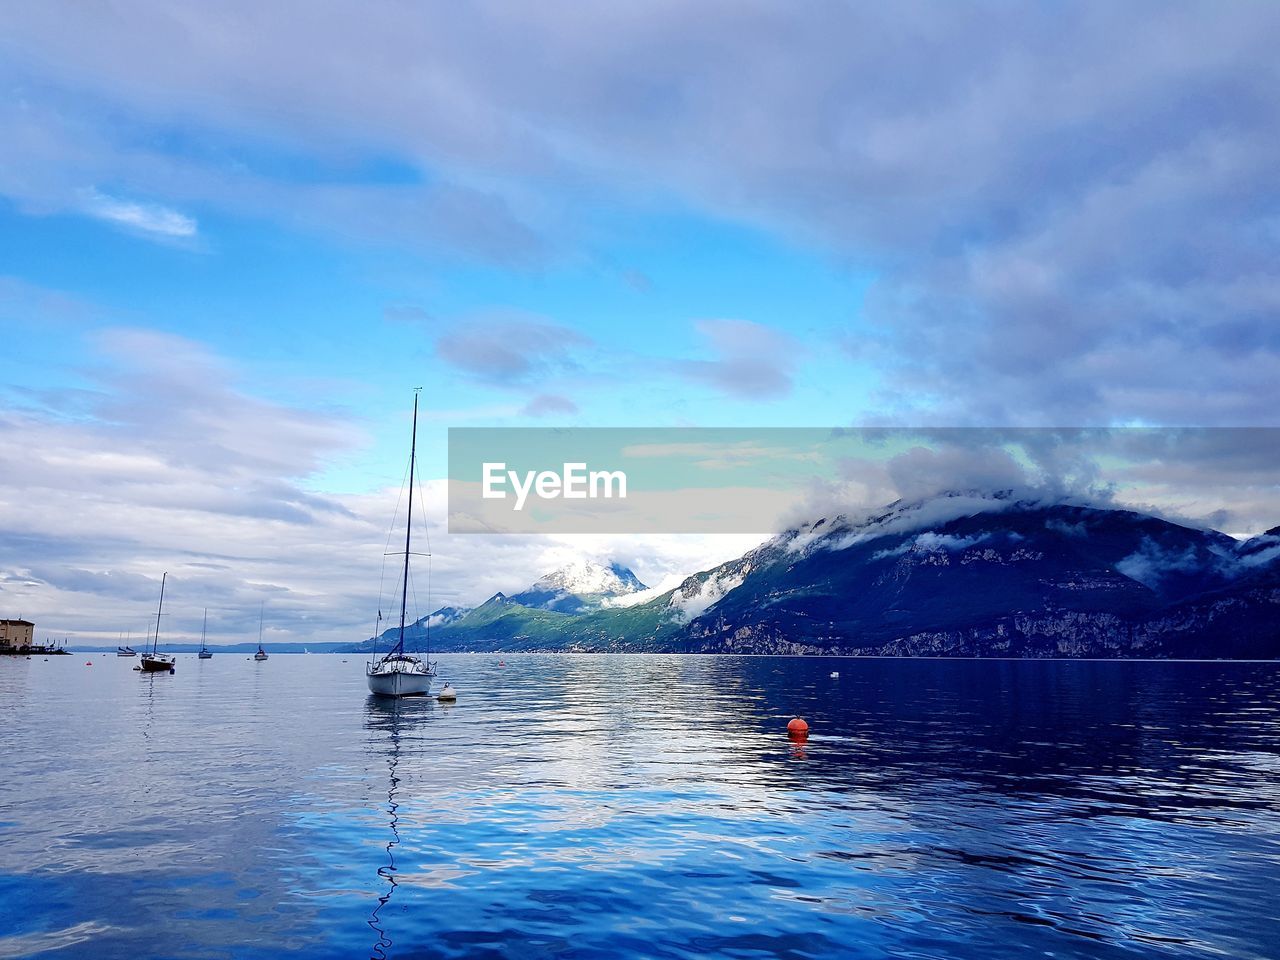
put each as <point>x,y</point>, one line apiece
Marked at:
<point>576,588</point>
<point>962,574</point>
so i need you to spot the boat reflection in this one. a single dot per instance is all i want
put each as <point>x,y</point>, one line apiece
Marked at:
<point>387,720</point>
<point>148,714</point>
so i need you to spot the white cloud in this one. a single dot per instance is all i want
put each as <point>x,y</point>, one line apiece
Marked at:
<point>931,542</point>
<point>169,464</point>
<point>1150,563</point>
<point>1070,212</point>
<point>149,218</point>
<point>701,597</point>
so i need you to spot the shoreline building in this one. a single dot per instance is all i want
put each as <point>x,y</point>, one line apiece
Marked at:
<point>16,635</point>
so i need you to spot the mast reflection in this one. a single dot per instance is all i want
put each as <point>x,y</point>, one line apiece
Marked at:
<point>148,717</point>
<point>386,719</point>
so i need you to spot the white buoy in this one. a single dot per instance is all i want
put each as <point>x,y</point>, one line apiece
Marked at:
<point>447,693</point>
<point>835,675</point>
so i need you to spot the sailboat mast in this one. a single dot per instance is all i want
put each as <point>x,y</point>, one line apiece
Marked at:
<point>408,527</point>
<point>204,627</point>
<point>155,643</point>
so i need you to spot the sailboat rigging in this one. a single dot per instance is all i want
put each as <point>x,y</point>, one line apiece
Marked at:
<point>261,654</point>
<point>397,673</point>
<point>154,661</point>
<point>205,653</point>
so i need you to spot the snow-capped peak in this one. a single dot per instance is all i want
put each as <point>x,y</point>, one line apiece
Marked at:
<point>589,578</point>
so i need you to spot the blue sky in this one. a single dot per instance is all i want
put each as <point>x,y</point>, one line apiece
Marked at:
<point>233,238</point>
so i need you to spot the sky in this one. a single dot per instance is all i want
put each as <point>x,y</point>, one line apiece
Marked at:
<point>234,237</point>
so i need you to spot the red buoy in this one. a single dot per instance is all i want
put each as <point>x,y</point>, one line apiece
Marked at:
<point>797,726</point>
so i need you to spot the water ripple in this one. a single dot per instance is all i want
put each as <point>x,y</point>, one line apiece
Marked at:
<point>593,806</point>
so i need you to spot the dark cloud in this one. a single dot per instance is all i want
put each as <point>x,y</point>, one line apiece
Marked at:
<point>20,300</point>
<point>1219,477</point>
<point>923,472</point>
<point>549,405</point>
<point>405,312</point>
<point>753,361</point>
<point>638,280</point>
<point>509,349</point>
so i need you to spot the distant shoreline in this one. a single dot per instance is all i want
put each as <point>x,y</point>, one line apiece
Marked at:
<point>33,651</point>
<point>250,648</point>
<point>230,648</point>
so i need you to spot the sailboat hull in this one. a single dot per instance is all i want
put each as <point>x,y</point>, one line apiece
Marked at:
<point>205,655</point>
<point>155,663</point>
<point>398,680</point>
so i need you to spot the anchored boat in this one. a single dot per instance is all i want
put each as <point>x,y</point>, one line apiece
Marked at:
<point>261,654</point>
<point>205,653</point>
<point>154,661</point>
<point>397,673</point>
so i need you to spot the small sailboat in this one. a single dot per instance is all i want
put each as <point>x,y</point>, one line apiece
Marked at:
<point>124,650</point>
<point>397,673</point>
<point>205,653</point>
<point>154,661</point>
<point>261,654</point>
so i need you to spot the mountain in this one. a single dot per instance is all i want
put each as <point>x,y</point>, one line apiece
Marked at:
<point>579,586</point>
<point>966,576</point>
<point>963,574</point>
<point>575,588</point>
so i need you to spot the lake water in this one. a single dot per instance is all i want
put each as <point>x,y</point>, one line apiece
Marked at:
<point>605,806</point>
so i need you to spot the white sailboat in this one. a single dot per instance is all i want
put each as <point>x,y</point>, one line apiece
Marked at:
<point>153,661</point>
<point>397,673</point>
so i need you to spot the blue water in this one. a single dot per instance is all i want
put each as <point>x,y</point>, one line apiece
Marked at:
<point>605,806</point>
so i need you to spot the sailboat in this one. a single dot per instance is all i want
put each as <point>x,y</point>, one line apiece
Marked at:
<point>125,650</point>
<point>205,653</point>
<point>261,654</point>
<point>401,674</point>
<point>154,661</point>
